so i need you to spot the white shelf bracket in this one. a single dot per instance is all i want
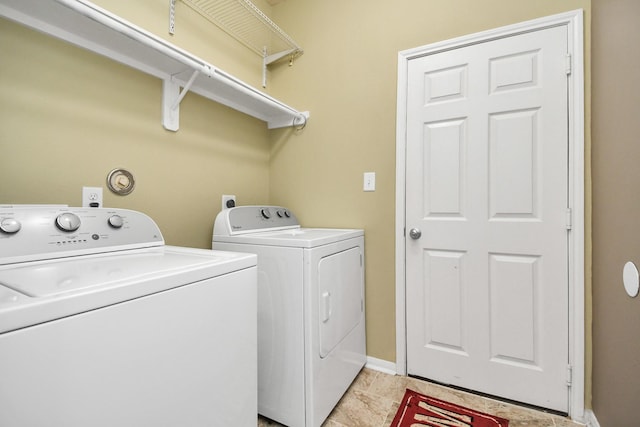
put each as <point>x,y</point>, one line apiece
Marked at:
<point>171,98</point>
<point>269,59</point>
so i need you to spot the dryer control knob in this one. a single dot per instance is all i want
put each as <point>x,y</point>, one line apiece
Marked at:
<point>265,213</point>
<point>68,221</point>
<point>10,225</point>
<point>115,221</point>
<point>283,213</point>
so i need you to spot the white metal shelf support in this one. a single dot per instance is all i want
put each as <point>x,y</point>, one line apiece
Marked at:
<point>171,99</point>
<point>245,22</point>
<point>269,59</point>
<point>172,16</point>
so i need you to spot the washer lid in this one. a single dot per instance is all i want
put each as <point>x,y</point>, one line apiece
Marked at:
<point>42,279</point>
<point>41,291</point>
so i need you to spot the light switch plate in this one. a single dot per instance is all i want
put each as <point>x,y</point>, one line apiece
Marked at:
<point>369,181</point>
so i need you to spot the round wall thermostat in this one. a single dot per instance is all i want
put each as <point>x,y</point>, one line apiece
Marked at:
<point>120,181</point>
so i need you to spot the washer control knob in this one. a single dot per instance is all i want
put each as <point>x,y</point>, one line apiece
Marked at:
<point>68,221</point>
<point>10,225</point>
<point>265,213</point>
<point>287,213</point>
<point>115,221</point>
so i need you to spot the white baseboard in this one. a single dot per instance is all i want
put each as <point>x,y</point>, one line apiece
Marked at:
<point>381,365</point>
<point>590,418</point>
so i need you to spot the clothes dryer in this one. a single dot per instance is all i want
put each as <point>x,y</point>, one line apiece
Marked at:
<point>311,323</point>
<point>102,324</point>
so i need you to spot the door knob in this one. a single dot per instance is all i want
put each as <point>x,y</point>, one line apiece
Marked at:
<point>415,233</point>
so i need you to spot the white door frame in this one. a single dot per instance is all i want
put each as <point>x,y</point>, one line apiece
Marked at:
<point>574,22</point>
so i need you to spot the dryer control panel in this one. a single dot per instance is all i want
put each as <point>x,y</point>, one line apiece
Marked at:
<point>247,219</point>
<point>45,232</point>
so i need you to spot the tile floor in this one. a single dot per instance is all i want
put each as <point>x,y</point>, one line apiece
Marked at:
<point>374,397</point>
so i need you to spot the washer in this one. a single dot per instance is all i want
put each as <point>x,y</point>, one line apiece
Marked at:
<point>311,324</point>
<point>102,324</point>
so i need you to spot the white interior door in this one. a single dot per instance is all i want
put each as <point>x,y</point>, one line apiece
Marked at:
<point>487,186</point>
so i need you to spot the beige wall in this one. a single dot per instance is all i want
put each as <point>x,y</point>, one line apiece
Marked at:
<point>616,209</point>
<point>347,78</point>
<point>68,117</point>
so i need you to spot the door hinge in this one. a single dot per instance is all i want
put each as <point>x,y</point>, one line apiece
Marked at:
<point>569,375</point>
<point>569,218</point>
<point>567,63</point>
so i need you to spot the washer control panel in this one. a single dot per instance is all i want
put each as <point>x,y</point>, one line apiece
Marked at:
<point>38,233</point>
<point>246,219</point>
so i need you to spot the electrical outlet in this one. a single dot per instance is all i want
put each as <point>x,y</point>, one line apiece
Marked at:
<point>228,201</point>
<point>92,197</point>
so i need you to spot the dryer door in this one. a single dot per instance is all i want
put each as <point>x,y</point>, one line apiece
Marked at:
<point>340,298</point>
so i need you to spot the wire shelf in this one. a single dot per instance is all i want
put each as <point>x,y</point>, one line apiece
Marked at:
<point>243,20</point>
<point>85,24</point>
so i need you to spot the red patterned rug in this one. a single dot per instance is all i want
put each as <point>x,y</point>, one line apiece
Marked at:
<point>419,410</point>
